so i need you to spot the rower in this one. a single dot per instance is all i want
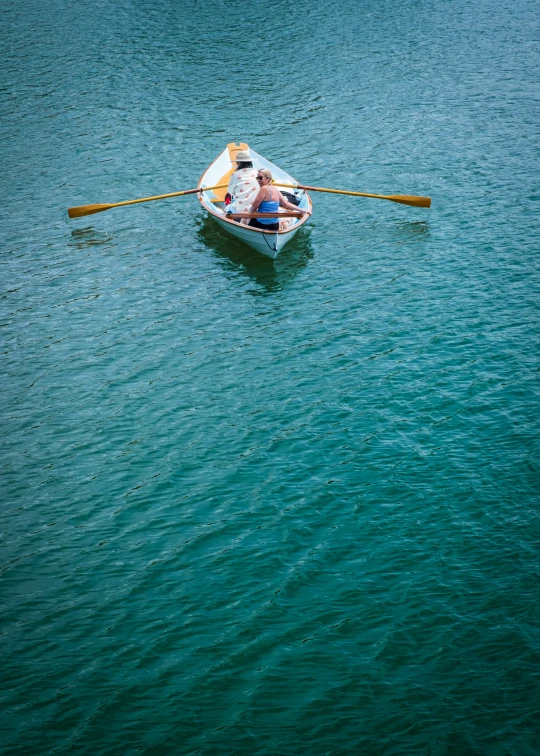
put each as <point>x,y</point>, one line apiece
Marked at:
<point>243,186</point>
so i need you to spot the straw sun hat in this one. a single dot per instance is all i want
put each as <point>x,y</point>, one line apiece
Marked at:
<point>243,156</point>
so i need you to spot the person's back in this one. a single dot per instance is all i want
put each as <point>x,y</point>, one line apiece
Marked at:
<point>243,186</point>
<point>268,200</point>
<point>269,205</point>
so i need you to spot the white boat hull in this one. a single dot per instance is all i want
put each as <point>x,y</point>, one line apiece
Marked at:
<point>268,243</point>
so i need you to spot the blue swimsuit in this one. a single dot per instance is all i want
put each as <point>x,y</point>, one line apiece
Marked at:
<point>268,206</point>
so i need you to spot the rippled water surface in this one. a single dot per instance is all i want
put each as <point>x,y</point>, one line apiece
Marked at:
<point>257,507</point>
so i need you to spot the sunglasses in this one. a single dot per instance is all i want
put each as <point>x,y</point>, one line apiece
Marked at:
<point>260,178</point>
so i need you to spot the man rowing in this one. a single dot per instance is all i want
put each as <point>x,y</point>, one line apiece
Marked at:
<point>243,186</point>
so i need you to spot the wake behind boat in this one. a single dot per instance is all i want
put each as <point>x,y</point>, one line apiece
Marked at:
<point>218,174</point>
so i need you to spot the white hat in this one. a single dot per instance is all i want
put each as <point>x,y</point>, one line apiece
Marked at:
<point>242,156</point>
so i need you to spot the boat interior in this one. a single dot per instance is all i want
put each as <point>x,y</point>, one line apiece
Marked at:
<point>220,172</point>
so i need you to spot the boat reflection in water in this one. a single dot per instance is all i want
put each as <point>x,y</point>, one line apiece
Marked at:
<point>269,274</point>
<point>89,237</point>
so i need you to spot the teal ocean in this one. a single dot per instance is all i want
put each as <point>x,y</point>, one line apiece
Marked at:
<point>270,507</point>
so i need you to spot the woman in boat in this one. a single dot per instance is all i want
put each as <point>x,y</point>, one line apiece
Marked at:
<point>268,200</point>
<point>243,186</point>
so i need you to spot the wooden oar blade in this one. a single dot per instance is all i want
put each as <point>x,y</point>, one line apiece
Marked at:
<point>405,199</point>
<point>82,210</point>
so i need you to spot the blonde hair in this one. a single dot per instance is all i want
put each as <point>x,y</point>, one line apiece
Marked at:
<point>266,172</point>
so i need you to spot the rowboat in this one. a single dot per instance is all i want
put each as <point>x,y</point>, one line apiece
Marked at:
<point>217,175</point>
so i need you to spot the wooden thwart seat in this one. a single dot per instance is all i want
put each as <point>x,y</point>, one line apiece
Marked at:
<point>275,216</point>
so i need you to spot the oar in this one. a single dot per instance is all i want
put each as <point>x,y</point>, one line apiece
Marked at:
<point>403,199</point>
<point>276,216</point>
<point>79,212</point>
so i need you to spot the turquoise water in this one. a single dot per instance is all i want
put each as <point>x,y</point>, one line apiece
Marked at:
<point>256,507</point>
